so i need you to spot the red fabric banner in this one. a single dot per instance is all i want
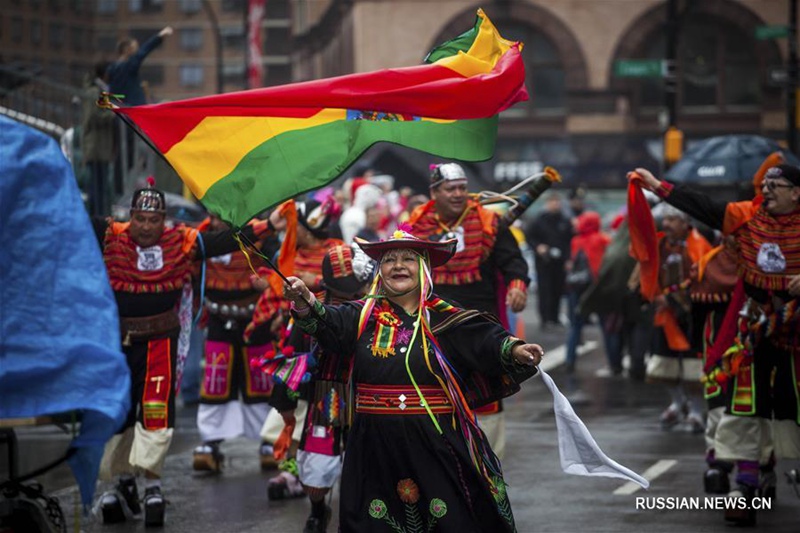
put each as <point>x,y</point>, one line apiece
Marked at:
<point>255,70</point>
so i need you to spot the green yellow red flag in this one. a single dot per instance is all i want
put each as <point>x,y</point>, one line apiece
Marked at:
<point>243,152</point>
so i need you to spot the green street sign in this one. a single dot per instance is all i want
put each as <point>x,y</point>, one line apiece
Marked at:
<point>639,68</point>
<point>765,33</point>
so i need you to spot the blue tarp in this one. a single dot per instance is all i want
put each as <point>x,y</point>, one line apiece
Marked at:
<point>59,328</point>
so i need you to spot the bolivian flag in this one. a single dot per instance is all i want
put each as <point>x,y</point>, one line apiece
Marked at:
<point>243,152</point>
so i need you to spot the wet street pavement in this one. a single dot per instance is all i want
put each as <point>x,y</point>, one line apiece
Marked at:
<point>621,414</point>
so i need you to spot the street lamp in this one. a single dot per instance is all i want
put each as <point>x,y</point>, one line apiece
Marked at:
<point>673,137</point>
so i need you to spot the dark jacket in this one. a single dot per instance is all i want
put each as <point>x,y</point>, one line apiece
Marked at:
<point>123,76</point>
<point>553,229</point>
<point>97,124</point>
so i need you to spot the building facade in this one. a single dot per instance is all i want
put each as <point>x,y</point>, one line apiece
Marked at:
<point>53,44</point>
<point>587,116</point>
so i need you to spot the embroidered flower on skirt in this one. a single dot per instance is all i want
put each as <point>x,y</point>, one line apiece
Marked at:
<point>414,518</point>
<point>408,491</point>
<point>377,509</point>
<point>438,508</point>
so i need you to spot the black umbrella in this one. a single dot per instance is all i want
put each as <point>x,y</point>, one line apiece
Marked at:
<point>726,160</point>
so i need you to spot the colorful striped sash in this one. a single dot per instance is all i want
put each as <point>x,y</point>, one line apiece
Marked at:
<point>400,400</point>
<point>121,256</point>
<point>480,233</point>
<point>781,231</point>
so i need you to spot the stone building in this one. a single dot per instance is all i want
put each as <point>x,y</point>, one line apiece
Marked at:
<point>586,117</point>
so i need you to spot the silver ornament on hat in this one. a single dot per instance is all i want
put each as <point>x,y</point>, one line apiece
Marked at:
<point>363,265</point>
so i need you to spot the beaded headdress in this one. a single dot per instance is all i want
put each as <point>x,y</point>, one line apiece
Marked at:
<point>149,198</point>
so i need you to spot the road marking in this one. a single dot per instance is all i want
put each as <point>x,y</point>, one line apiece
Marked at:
<point>650,474</point>
<point>558,356</point>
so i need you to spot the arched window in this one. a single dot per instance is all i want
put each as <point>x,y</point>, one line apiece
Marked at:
<point>717,68</point>
<point>544,71</point>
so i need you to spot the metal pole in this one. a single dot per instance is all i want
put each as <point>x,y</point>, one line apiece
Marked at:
<point>791,70</point>
<point>212,17</point>
<point>246,23</point>
<point>671,83</point>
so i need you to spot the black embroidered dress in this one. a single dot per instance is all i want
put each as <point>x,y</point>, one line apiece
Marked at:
<point>400,473</point>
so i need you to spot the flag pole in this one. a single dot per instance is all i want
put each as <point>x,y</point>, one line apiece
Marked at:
<point>104,102</point>
<point>273,266</point>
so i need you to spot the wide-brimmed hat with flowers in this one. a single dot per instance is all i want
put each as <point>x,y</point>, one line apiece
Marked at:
<point>438,253</point>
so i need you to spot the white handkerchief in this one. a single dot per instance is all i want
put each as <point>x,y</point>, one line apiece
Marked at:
<point>580,454</point>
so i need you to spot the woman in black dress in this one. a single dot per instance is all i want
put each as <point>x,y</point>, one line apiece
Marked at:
<point>416,460</point>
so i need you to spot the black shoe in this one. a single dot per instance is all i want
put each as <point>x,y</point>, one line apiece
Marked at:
<point>767,483</point>
<point>111,508</point>
<point>127,489</point>
<point>742,517</point>
<point>154,507</point>
<point>793,478</point>
<point>121,503</point>
<point>315,524</point>
<point>715,481</point>
<point>636,374</point>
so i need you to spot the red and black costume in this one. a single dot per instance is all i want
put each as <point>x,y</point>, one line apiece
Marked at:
<point>234,395</point>
<point>471,276</point>
<point>759,368</point>
<point>147,284</point>
<point>487,263</point>
<point>763,240</point>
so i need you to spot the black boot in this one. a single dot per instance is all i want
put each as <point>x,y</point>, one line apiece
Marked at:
<point>111,508</point>
<point>318,524</point>
<point>767,482</point>
<point>154,507</point>
<point>122,503</point>
<point>715,480</point>
<point>742,517</point>
<point>130,494</point>
<point>793,478</point>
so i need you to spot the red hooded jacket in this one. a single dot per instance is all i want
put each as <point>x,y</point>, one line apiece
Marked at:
<point>591,240</point>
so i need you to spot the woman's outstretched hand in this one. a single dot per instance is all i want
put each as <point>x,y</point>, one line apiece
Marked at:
<point>528,354</point>
<point>297,292</point>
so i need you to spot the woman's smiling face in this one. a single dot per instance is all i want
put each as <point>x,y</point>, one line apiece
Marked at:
<point>400,271</point>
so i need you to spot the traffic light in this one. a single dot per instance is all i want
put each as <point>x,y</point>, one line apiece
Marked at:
<point>673,145</point>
